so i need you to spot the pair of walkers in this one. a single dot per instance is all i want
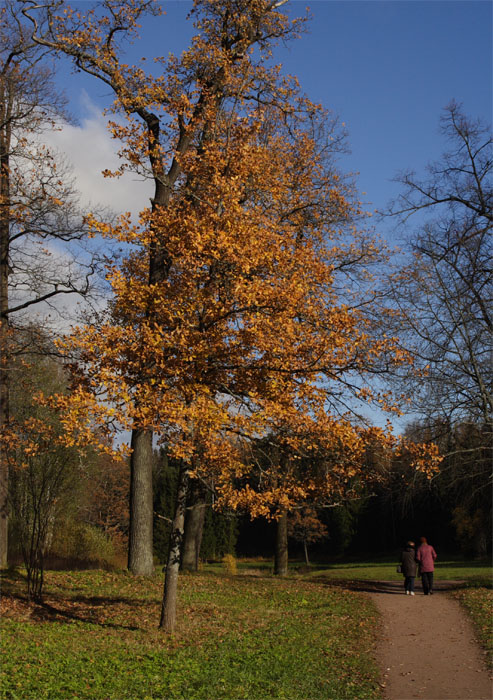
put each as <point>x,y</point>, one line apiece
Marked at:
<point>424,558</point>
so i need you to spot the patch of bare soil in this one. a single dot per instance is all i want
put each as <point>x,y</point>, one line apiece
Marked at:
<point>427,648</point>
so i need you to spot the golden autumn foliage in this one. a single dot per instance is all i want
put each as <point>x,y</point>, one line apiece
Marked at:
<point>305,526</point>
<point>244,308</point>
<point>234,315</point>
<point>247,334</point>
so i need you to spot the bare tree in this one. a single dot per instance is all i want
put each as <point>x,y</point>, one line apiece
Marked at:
<point>43,472</point>
<point>445,294</point>
<point>39,214</point>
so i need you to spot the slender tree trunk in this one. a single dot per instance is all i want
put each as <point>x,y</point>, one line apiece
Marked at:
<point>4,466</point>
<point>481,543</point>
<point>140,554</point>
<point>281,556</point>
<point>307,561</point>
<point>168,609</point>
<point>4,377</point>
<point>194,526</point>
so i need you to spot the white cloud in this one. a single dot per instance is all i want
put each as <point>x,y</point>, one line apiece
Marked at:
<point>90,149</point>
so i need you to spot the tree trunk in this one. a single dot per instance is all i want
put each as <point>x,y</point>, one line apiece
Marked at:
<point>194,527</point>
<point>307,561</point>
<point>140,554</point>
<point>168,609</point>
<point>4,377</point>
<point>140,542</point>
<point>481,543</point>
<point>281,557</point>
<point>4,466</point>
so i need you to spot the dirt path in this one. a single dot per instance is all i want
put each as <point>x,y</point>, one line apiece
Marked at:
<point>427,649</point>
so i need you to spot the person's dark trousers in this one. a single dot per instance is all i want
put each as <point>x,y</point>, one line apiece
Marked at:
<point>409,584</point>
<point>427,581</point>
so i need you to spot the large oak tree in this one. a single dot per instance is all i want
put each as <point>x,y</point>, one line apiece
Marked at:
<point>170,116</point>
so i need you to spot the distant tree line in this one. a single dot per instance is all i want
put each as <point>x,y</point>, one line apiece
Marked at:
<point>451,510</point>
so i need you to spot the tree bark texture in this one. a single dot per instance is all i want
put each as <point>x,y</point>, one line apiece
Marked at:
<point>140,554</point>
<point>194,527</point>
<point>168,609</point>
<point>4,377</point>
<point>4,467</point>
<point>281,555</point>
<point>140,544</point>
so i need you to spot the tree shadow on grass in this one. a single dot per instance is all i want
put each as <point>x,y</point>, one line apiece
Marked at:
<point>58,609</point>
<point>10,579</point>
<point>387,587</point>
<point>57,606</point>
<point>47,612</point>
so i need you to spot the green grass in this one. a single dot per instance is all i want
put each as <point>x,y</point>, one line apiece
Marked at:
<point>479,604</point>
<point>448,569</point>
<point>238,637</point>
<point>381,569</point>
<point>251,636</point>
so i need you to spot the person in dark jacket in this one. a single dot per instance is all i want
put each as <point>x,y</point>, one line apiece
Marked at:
<point>408,567</point>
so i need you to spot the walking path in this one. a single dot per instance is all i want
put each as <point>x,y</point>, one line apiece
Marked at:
<point>427,649</point>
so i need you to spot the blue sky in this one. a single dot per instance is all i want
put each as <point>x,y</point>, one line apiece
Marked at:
<point>386,68</point>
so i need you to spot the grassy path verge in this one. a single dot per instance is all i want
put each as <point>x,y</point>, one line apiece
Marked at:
<point>479,604</point>
<point>238,637</point>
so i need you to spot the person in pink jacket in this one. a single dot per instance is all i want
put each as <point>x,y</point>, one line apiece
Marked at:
<point>426,556</point>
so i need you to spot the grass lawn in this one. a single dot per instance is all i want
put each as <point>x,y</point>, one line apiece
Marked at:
<point>243,637</point>
<point>479,604</point>
<point>448,569</point>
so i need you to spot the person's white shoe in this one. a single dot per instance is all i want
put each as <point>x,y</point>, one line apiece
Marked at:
<point>407,592</point>
<point>412,592</point>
